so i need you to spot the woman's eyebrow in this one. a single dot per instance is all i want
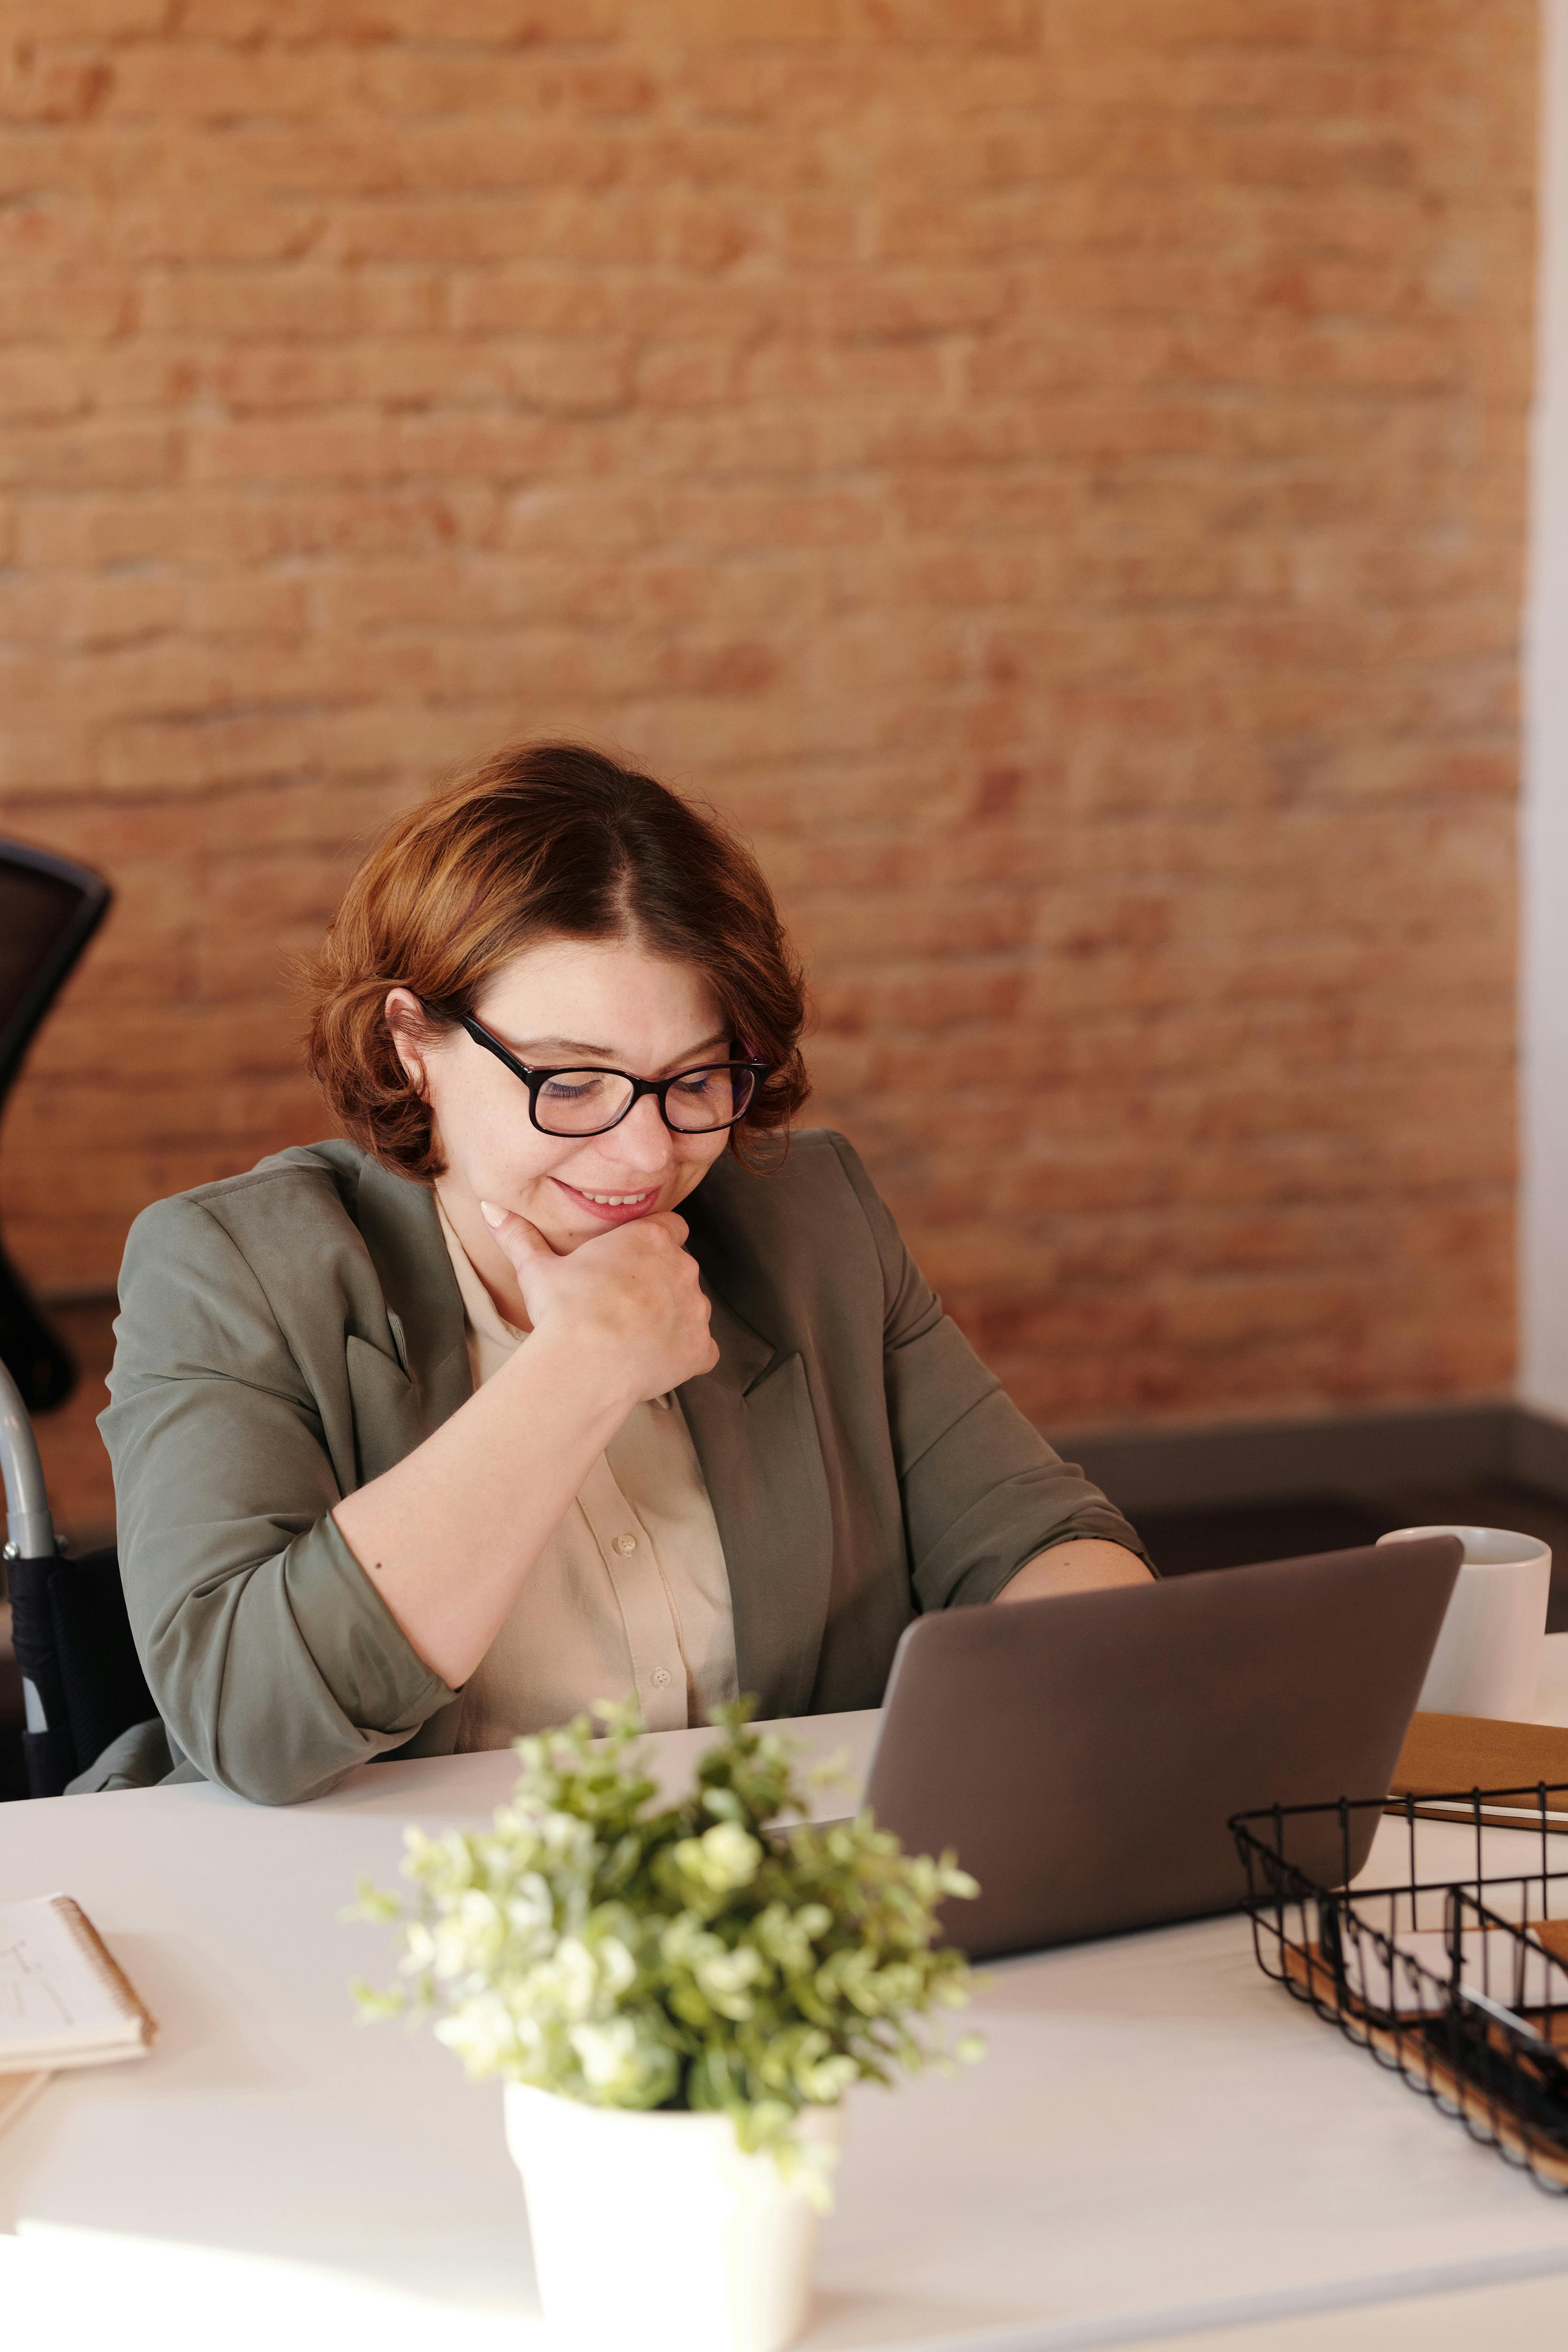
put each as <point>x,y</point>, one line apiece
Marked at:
<point>552,1049</point>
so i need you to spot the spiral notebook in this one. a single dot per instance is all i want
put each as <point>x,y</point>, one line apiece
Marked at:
<point>64,1999</point>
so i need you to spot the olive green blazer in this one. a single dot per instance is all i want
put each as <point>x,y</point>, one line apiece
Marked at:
<point>286,1336</point>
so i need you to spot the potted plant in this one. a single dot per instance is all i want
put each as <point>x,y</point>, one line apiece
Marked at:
<point>677,2000</point>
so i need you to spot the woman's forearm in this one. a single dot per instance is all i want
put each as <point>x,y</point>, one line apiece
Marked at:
<point>1083,1564</point>
<point>449,1534</point>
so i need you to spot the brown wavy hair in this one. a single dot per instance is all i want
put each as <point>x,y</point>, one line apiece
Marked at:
<point>544,841</point>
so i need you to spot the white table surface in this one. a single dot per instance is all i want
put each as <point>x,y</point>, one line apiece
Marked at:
<point>1160,2141</point>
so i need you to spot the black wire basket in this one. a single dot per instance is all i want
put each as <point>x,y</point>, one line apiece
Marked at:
<point>1458,1982</point>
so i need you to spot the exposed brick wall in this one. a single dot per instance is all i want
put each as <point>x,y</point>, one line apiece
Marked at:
<point>1055,470</point>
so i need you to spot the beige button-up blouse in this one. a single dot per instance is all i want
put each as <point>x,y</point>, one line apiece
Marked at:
<point>630,1596</point>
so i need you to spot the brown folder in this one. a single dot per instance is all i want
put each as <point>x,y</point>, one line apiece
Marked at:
<point>1443,1753</point>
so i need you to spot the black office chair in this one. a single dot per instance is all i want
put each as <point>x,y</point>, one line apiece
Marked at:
<point>49,910</point>
<point>81,1679</point>
<point>82,1682</point>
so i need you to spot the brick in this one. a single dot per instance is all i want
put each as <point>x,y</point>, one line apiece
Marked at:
<point>91,454</point>
<point>352,156</point>
<point>779,451</point>
<point>761,518</point>
<point>48,231</point>
<point>374,449</point>
<point>403,81</point>
<point>717,233</point>
<point>480,229</point>
<point>458,593</point>
<point>770,21</point>
<point>924,302</point>
<point>298,815</point>
<point>42,89</point>
<point>507,23</point>
<point>688,375</point>
<point>86,163</point>
<point>60,530</point>
<point>84,20</point>
<point>87,609</point>
<point>812,230</point>
<point>569,375</point>
<point>262,302</point>
<point>579,376</point>
<point>504,23</point>
<point>254,523</point>
<point>412,371</point>
<point>983,24</point>
<point>921,229</point>
<point>607,228</point>
<point>250,607</point>
<point>169,231</point>
<point>807,86</point>
<point>43,383</point>
<point>82,306</point>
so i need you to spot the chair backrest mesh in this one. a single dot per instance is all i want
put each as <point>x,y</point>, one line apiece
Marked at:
<point>48,911</point>
<point>35,910</point>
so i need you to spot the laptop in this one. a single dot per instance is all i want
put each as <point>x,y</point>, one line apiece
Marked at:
<point>1083,1757</point>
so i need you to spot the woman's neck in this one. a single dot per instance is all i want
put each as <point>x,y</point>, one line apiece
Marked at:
<point>484,1254</point>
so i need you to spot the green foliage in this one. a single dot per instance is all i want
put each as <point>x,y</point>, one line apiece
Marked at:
<point>689,1957</point>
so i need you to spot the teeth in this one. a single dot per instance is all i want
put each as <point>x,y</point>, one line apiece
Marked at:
<point>614,1200</point>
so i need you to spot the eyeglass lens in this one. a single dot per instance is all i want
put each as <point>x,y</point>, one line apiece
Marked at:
<point>582,1102</point>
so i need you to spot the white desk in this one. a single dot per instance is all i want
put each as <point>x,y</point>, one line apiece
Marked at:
<point>1158,2141</point>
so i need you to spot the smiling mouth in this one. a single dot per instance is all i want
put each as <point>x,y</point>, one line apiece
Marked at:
<point>609,1200</point>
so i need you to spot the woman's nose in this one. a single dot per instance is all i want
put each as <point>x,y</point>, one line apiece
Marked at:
<point>641,1142</point>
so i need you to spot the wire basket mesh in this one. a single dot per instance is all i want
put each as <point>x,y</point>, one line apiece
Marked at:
<point>1455,1978</point>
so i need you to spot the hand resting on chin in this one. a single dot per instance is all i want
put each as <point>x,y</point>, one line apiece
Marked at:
<point>448,1534</point>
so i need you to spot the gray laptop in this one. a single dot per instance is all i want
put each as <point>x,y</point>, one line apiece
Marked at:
<point>1084,1756</point>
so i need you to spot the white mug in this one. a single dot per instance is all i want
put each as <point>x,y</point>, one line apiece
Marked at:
<point>1487,1658</point>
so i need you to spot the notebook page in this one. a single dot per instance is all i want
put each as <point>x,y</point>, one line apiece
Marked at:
<point>63,2001</point>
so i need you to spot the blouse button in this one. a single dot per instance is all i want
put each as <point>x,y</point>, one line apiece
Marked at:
<point>625,1543</point>
<point>659,1677</point>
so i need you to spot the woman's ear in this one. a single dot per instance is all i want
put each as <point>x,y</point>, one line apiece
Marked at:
<point>403,1013</point>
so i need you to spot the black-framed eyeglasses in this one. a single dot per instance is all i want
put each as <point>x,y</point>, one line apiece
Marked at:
<point>700,1101</point>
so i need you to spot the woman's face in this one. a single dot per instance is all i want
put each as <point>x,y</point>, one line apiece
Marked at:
<point>565,1003</point>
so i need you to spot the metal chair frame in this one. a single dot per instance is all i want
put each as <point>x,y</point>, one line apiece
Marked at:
<point>83,1683</point>
<point>29,1524</point>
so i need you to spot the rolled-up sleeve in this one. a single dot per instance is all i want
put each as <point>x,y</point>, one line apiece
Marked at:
<point>982,1492</point>
<point>273,1660</point>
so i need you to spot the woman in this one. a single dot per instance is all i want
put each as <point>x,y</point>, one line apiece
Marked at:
<point>562,1380</point>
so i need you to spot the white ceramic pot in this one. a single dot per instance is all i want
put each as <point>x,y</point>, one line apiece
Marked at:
<point>656,2231</point>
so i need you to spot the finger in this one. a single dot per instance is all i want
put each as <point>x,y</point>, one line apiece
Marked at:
<point>523,1244</point>
<point>666,1222</point>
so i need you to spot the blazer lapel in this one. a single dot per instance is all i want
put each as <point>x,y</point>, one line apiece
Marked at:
<point>399,1226</point>
<point>755,1437</point>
